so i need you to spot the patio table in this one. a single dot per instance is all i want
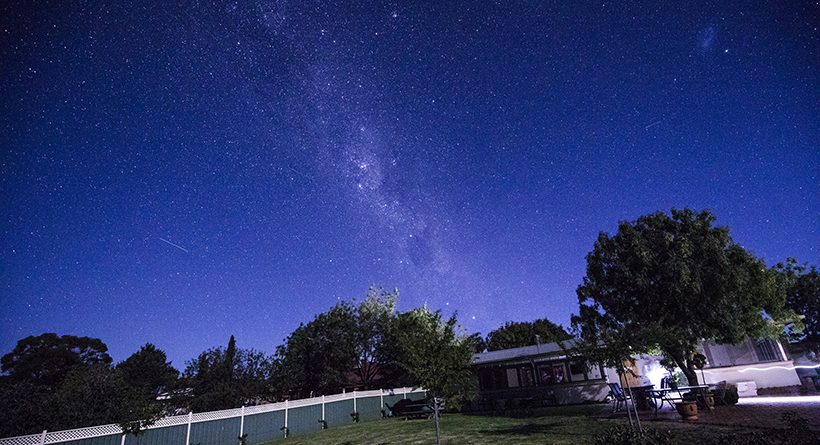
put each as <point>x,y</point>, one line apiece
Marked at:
<point>664,395</point>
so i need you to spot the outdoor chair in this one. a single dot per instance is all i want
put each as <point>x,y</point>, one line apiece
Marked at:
<point>619,396</point>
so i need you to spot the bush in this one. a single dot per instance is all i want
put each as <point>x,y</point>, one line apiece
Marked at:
<point>624,435</point>
<point>731,394</point>
<point>796,432</point>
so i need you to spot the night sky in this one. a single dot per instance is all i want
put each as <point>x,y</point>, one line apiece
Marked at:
<point>178,172</point>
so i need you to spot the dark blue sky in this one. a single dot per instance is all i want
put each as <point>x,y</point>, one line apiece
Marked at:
<point>178,172</point>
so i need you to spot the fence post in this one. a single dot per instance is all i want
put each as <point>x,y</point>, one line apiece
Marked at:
<point>354,401</point>
<point>188,436</point>
<point>381,397</point>
<point>43,438</point>
<point>242,423</point>
<point>286,413</point>
<point>323,407</point>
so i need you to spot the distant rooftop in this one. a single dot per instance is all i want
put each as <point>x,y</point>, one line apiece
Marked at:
<point>522,353</point>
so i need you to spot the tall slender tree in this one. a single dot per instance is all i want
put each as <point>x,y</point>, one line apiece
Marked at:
<point>437,356</point>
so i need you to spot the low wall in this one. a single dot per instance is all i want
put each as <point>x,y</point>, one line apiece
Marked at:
<point>765,375</point>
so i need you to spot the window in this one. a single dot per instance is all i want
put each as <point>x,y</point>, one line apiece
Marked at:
<point>559,373</point>
<point>545,372</point>
<point>492,378</point>
<point>512,377</point>
<point>527,378</point>
<point>553,373</point>
<point>766,351</point>
<point>577,371</point>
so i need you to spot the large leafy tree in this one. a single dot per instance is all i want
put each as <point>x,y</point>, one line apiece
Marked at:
<point>26,408</point>
<point>91,395</point>
<point>35,371</point>
<point>516,335</point>
<point>146,374</point>
<point>318,356</point>
<point>667,283</point>
<point>436,355</point>
<point>372,319</point>
<point>48,358</point>
<point>148,371</point>
<point>803,297</point>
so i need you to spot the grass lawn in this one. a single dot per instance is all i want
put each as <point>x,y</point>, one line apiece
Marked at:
<point>556,425</point>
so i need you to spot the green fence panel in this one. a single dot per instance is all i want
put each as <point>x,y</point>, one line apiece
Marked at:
<point>264,427</point>
<point>169,435</point>
<point>304,419</point>
<point>215,432</point>
<point>338,413</point>
<point>114,439</point>
<point>370,408</point>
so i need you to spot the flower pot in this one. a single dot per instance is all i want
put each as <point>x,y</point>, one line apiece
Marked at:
<point>688,410</point>
<point>710,400</point>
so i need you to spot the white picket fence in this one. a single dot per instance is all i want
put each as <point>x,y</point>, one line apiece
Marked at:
<point>187,419</point>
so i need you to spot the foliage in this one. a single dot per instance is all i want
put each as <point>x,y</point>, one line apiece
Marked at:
<point>227,378</point>
<point>148,371</point>
<point>436,356</point>
<point>47,359</point>
<point>147,375</point>
<point>803,297</point>
<point>26,408</point>
<point>372,319</point>
<point>797,431</point>
<point>731,397</point>
<point>317,357</point>
<point>516,335</point>
<point>669,282</point>
<point>349,345</point>
<point>91,395</point>
<point>38,369</point>
<point>479,344</point>
<point>624,435</point>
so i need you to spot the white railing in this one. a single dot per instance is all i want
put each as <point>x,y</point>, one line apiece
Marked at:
<point>187,419</point>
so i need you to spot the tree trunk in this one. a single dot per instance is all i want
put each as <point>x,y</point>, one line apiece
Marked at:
<point>435,414</point>
<point>687,368</point>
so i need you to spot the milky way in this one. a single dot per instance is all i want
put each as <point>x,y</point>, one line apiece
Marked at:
<point>177,174</point>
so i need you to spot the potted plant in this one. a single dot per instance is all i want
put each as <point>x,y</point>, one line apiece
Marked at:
<point>687,408</point>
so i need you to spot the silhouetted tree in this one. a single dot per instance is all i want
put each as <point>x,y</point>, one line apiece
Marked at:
<point>516,335</point>
<point>47,359</point>
<point>318,356</point>
<point>227,378</point>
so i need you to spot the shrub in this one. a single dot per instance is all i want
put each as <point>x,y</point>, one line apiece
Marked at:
<point>624,435</point>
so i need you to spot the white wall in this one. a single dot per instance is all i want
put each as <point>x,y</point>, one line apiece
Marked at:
<point>766,375</point>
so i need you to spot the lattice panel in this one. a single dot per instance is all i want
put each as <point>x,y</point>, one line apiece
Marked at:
<point>216,415</point>
<point>82,433</point>
<point>305,402</point>
<point>33,439</point>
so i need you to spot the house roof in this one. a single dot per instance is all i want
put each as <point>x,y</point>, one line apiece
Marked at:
<point>523,353</point>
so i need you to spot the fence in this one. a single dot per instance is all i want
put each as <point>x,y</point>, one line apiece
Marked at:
<point>262,423</point>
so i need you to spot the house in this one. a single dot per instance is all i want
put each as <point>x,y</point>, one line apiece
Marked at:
<point>749,365</point>
<point>549,374</point>
<point>540,374</point>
